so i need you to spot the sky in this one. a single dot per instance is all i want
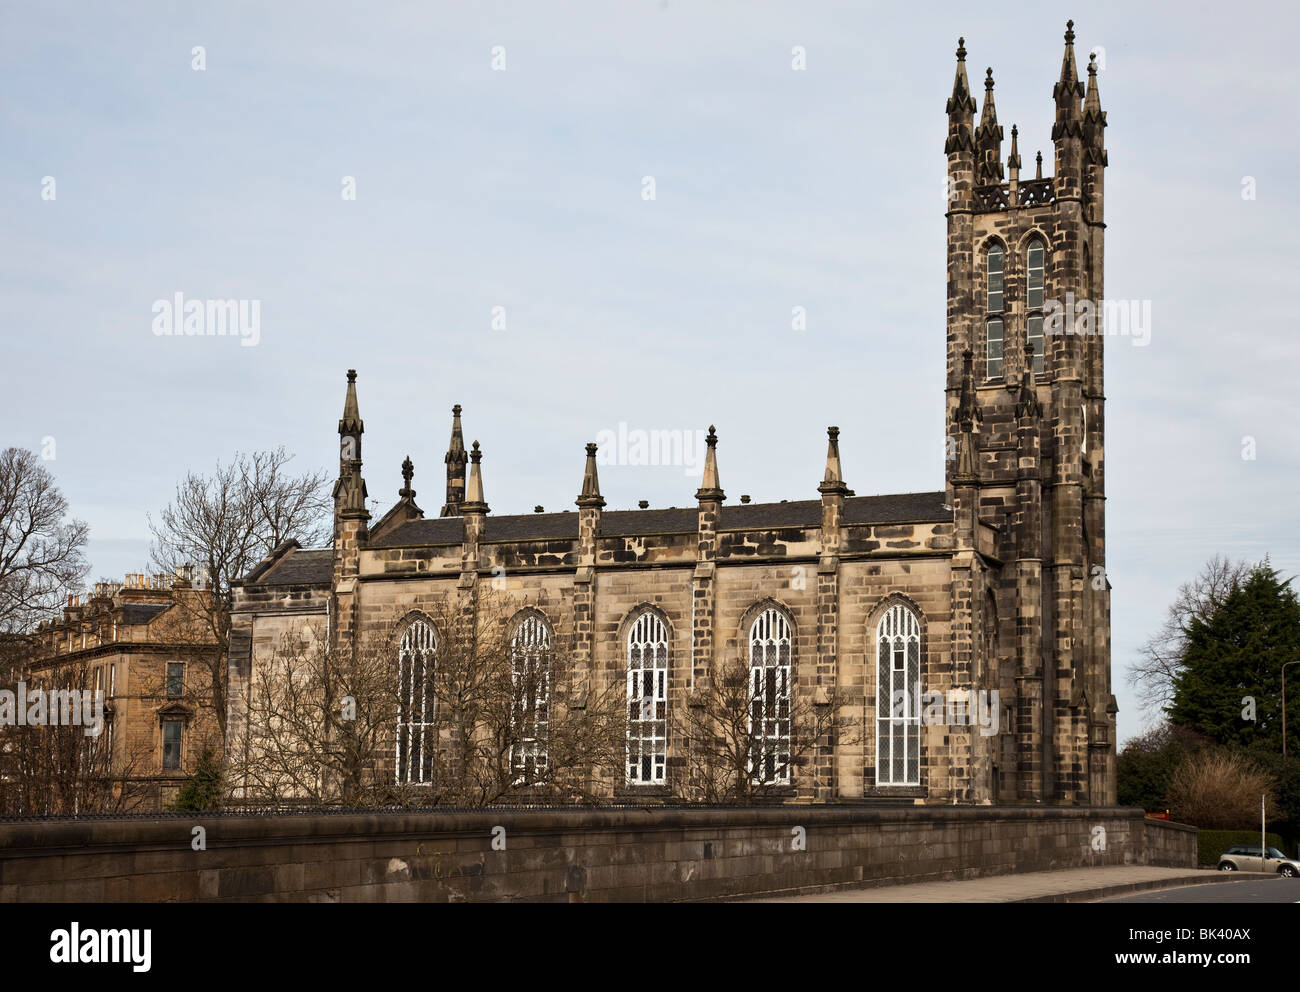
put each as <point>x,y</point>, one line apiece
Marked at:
<point>451,198</point>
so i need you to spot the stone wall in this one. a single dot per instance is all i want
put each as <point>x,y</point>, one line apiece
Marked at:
<point>623,854</point>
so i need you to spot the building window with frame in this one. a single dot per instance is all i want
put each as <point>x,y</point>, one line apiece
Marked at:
<point>898,702</point>
<point>647,700</point>
<point>1035,267</point>
<point>770,650</point>
<point>171,745</point>
<point>530,664</point>
<point>993,326</point>
<point>415,704</point>
<point>175,678</point>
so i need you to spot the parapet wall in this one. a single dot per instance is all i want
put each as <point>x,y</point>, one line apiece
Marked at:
<point>565,855</point>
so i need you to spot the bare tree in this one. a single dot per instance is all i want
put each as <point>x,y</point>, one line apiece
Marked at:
<point>513,723</point>
<point>222,525</point>
<point>42,554</point>
<point>1161,657</point>
<point>1220,790</point>
<point>469,724</point>
<point>51,765</point>
<point>324,720</point>
<point>742,737</point>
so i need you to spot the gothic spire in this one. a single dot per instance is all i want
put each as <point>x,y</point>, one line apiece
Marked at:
<point>988,138</point>
<point>833,482</point>
<point>961,101</point>
<point>590,483</point>
<point>710,488</point>
<point>967,412</point>
<point>350,488</point>
<point>455,459</point>
<point>1068,91</point>
<point>1013,160</point>
<point>351,422</point>
<point>456,447</point>
<point>474,502</point>
<point>1094,118</point>
<point>966,415</point>
<point>1092,100</point>
<point>1069,72</point>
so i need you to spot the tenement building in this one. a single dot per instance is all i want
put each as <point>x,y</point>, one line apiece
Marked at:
<point>988,596</point>
<point>143,655</point>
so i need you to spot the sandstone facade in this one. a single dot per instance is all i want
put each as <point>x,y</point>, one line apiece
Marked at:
<point>995,583</point>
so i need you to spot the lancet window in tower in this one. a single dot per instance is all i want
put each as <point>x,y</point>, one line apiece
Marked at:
<point>1035,256</point>
<point>898,698</point>
<point>769,698</point>
<point>647,700</point>
<point>415,705</point>
<point>530,660</point>
<point>993,326</point>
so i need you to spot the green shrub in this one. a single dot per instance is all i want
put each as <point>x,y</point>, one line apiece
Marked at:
<point>203,790</point>
<point>1211,843</point>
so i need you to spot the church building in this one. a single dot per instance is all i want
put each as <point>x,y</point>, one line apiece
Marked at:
<point>992,588</point>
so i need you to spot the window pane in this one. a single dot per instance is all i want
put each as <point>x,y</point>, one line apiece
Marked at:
<point>1034,342</point>
<point>995,280</point>
<point>1034,286</point>
<point>994,349</point>
<point>647,700</point>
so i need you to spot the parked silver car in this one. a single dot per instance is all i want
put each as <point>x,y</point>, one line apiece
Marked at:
<point>1243,857</point>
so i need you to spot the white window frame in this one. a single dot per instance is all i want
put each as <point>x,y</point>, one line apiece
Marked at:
<point>771,648</point>
<point>647,700</point>
<point>530,664</point>
<point>416,658</point>
<point>995,251</point>
<point>898,670</point>
<point>1035,344</point>
<point>993,363</point>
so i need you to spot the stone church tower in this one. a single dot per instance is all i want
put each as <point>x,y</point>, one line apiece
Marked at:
<point>1026,429</point>
<point>987,595</point>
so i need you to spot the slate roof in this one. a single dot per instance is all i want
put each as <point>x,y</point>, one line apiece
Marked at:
<point>298,567</point>
<point>898,508</point>
<point>140,613</point>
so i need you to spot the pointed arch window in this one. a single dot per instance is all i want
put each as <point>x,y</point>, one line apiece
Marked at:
<point>993,326</point>
<point>530,662</point>
<point>898,698</point>
<point>1035,283</point>
<point>415,704</point>
<point>647,700</point>
<point>769,698</point>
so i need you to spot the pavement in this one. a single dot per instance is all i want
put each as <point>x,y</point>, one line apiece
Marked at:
<point>1070,885</point>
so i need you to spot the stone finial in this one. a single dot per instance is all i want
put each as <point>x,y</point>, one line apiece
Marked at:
<point>1092,112</point>
<point>967,412</point>
<point>961,102</point>
<point>1013,160</point>
<point>456,447</point>
<point>988,138</point>
<point>833,481</point>
<point>351,422</point>
<point>1027,404</point>
<point>408,473</point>
<point>1068,89</point>
<point>474,502</point>
<point>1039,173</point>
<point>710,488</point>
<point>590,496</point>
